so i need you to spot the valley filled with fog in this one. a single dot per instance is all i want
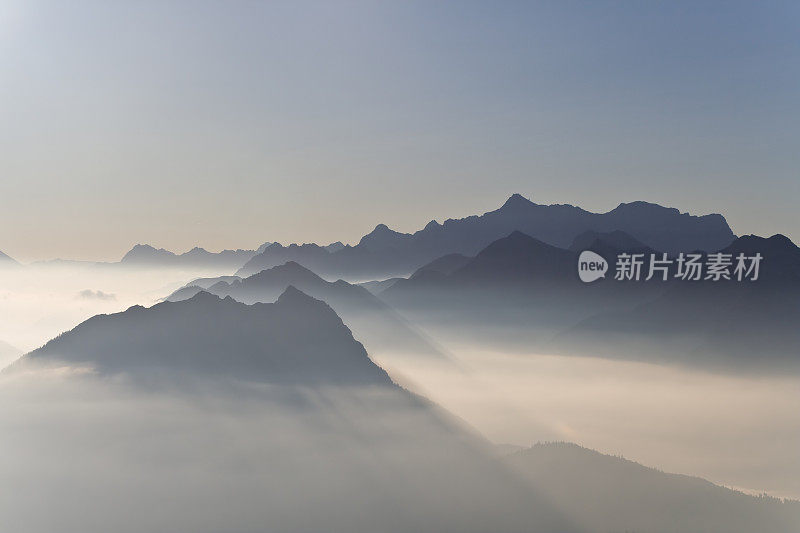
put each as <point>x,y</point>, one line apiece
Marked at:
<point>736,430</point>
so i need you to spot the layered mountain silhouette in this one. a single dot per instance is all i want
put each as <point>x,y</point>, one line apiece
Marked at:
<point>726,323</point>
<point>522,291</point>
<point>373,322</point>
<point>297,339</point>
<point>609,493</point>
<point>517,260</point>
<point>385,253</point>
<point>291,425</point>
<point>144,255</point>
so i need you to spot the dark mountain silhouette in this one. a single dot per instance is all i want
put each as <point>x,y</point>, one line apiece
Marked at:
<point>385,253</point>
<point>517,260</point>
<point>335,246</point>
<point>781,257</point>
<point>295,340</point>
<point>382,239</point>
<point>330,444</point>
<point>518,291</point>
<point>724,323</point>
<point>523,292</point>
<point>521,261</point>
<point>609,493</point>
<point>144,255</point>
<point>374,322</point>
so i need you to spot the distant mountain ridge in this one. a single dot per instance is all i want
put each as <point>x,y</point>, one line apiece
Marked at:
<point>373,321</point>
<point>522,291</point>
<point>384,252</point>
<point>751,324</point>
<point>146,255</point>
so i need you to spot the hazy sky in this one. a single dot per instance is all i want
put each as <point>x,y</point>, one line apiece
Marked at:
<point>226,124</point>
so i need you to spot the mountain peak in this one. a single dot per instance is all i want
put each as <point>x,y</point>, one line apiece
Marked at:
<point>145,252</point>
<point>382,230</point>
<point>517,258</point>
<point>334,246</point>
<point>518,236</point>
<point>292,265</point>
<point>203,296</point>
<point>516,200</point>
<point>290,271</point>
<point>517,244</point>
<point>293,294</point>
<point>383,236</point>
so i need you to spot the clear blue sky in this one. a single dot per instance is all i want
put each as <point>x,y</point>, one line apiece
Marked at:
<point>225,124</point>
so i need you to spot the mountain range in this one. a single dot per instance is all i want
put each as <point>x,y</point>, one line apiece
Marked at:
<point>296,339</point>
<point>371,440</point>
<point>385,253</point>
<point>276,406</point>
<point>144,255</point>
<point>526,292</point>
<point>727,323</point>
<point>378,326</point>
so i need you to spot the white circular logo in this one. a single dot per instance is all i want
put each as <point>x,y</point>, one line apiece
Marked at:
<point>591,266</point>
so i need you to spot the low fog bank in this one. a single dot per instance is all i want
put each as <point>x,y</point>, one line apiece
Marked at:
<point>37,302</point>
<point>84,454</point>
<point>739,431</point>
